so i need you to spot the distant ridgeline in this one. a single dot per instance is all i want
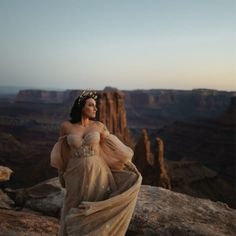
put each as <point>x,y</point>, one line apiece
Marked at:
<point>148,108</point>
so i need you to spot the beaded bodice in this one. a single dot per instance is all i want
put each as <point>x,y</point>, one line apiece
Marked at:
<point>85,146</point>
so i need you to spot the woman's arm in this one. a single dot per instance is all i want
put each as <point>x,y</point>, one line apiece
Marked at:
<point>63,128</point>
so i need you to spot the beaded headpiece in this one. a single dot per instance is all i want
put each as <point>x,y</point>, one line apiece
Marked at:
<point>87,93</point>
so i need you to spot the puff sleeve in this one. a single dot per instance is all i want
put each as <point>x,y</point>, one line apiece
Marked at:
<point>60,154</point>
<point>115,153</point>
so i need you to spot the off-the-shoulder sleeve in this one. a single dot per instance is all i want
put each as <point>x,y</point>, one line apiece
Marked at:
<point>115,153</point>
<point>60,154</point>
<point>104,132</point>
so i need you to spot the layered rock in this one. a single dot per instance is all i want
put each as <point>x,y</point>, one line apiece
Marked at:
<point>111,111</point>
<point>156,108</point>
<point>40,96</point>
<point>151,164</point>
<point>145,107</point>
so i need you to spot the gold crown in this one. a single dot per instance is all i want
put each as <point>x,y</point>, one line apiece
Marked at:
<point>87,93</point>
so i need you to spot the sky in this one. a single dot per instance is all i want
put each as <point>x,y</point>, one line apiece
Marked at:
<point>127,44</point>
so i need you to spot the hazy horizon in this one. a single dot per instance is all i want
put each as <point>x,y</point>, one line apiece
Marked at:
<point>182,44</point>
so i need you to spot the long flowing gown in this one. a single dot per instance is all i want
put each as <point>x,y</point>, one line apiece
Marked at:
<point>101,184</point>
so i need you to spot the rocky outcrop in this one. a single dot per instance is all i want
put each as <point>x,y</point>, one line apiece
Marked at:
<point>5,173</point>
<point>151,164</point>
<point>163,212</point>
<point>23,223</point>
<point>111,111</point>
<point>159,164</point>
<point>5,201</point>
<point>158,212</point>
<point>45,197</point>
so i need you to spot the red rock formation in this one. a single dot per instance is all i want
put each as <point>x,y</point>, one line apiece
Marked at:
<point>111,111</point>
<point>143,157</point>
<point>159,164</point>
<point>151,165</point>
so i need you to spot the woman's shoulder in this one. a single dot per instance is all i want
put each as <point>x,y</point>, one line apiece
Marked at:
<point>64,126</point>
<point>102,129</point>
<point>100,125</point>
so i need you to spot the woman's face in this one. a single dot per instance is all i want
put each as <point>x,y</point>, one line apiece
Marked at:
<point>89,109</point>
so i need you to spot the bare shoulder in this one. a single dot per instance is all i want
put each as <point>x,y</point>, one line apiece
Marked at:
<point>102,127</point>
<point>100,124</point>
<point>64,127</point>
<point>65,123</point>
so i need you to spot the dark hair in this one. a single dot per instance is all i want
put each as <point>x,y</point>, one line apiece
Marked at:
<point>76,110</point>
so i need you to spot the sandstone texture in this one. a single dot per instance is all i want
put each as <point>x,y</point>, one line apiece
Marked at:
<point>172,213</point>
<point>112,112</point>
<point>26,223</point>
<point>5,173</point>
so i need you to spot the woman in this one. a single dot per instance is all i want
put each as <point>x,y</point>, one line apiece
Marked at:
<point>95,167</point>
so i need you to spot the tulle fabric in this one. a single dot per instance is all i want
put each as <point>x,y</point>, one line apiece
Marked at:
<point>101,189</point>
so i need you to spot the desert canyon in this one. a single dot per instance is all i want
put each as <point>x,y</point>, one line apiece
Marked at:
<point>184,147</point>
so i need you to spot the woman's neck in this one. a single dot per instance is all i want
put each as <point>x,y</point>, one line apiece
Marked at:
<point>84,122</point>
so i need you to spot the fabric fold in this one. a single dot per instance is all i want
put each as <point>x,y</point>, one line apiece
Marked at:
<point>101,186</point>
<point>60,154</point>
<point>114,152</point>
